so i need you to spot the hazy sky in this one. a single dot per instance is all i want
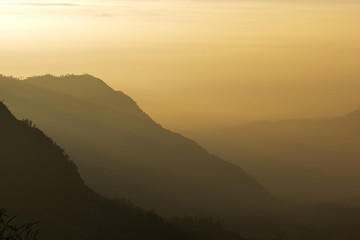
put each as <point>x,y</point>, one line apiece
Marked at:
<point>196,63</point>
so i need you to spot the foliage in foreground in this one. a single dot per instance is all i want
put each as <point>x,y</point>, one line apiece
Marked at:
<point>10,231</point>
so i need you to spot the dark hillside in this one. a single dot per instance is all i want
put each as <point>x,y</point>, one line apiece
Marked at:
<point>38,181</point>
<point>122,152</point>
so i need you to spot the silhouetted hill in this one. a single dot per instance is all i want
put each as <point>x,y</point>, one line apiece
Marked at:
<point>304,159</point>
<point>353,116</point>
<point>38,181</point>
<point>122,152</point>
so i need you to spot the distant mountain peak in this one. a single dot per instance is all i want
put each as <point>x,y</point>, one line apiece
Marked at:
<point>68,83</point>
<point>351,116</point>
<point>72,77</point>
<point>86,80</point>
<point>355,113</point>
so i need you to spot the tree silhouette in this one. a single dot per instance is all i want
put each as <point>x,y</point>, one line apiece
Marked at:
<point>10,231</point>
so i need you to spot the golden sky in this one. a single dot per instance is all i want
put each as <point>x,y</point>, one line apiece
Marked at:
<point>196,63</point>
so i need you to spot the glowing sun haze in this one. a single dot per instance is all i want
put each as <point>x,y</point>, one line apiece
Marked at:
<point>192,63</point>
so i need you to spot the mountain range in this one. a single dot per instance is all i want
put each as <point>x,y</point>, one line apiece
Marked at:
<point>38,181</point>
<point>121,152</point>
<point>124,154</point>
<point>311,160</point>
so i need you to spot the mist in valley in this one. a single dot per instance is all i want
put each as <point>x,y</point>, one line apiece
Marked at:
<point>210,120</point>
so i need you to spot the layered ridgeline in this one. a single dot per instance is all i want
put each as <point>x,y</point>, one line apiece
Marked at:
<point>122,152</point>
<point>39,182</point>
<point>302,160</point>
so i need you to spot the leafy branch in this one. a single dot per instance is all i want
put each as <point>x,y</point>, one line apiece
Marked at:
<point>10,231</point>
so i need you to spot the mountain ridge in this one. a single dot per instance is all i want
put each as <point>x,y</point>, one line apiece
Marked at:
<point>122,152</point>
<point>319,155</point>
<point>39,181</point>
